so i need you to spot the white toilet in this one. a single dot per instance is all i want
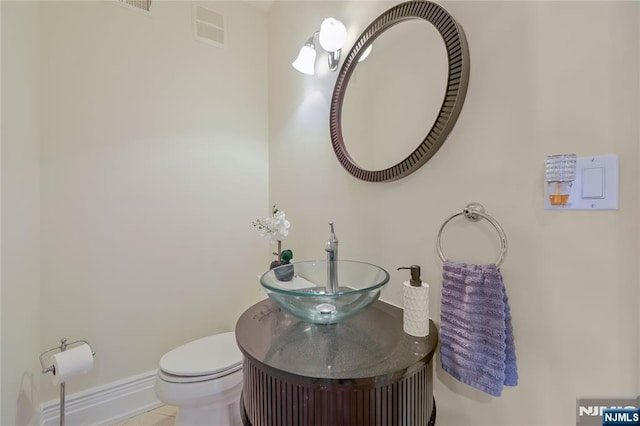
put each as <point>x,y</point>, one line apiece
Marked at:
<point>203,379</point>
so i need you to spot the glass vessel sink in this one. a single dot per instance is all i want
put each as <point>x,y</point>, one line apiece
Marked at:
<point>305,294</point>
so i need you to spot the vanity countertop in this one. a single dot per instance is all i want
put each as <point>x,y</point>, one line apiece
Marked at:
<point>371,345</point>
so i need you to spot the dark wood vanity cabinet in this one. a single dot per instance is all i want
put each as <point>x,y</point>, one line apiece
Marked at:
<point>364,371</point>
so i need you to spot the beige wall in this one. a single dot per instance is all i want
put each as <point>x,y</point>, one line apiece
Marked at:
<point>546,78</point>
<point>20,285</point>
<point>154,164</point>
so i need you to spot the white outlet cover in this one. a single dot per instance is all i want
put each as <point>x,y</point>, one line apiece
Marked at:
<point>595,187</point>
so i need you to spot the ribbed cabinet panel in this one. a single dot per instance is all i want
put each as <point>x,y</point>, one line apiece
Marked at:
<point>272,399</point>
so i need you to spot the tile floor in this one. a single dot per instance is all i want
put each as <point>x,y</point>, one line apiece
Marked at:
<point>161,416</point>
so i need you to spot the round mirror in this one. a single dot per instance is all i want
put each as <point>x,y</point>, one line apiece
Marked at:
<point>390,116</point>
<point>386,110</point>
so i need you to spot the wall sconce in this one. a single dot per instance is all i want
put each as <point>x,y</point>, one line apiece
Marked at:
<point>560,174</point>
<point>331,37</point>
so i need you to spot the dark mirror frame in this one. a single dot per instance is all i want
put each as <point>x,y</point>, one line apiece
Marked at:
<point>457,82</point>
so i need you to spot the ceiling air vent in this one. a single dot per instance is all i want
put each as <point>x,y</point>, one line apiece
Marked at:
<point>144,5</point>
<point>209,26</point>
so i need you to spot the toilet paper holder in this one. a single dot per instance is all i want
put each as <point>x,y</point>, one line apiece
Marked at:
<point>51,369</point>
<point>63,347</point>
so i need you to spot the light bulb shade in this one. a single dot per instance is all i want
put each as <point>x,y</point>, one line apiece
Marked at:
<point>305,62</point>
<point>333,34</point>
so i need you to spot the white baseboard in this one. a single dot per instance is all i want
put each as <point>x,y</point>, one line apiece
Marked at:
<point>105,405</point>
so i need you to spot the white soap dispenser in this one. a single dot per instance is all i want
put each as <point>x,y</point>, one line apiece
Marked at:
<point>415,300</point>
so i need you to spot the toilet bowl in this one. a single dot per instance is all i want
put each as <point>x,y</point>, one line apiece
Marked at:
<point>203,379</point>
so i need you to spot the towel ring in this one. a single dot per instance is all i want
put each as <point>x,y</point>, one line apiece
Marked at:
<point>474,212</point>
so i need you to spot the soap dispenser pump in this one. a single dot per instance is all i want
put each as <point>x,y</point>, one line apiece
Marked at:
<point>415,280</point>
<point>415,299</point>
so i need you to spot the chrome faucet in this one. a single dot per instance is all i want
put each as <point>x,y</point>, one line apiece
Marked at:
<point>332,262</point>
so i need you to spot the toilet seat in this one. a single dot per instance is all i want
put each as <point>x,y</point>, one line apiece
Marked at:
<point>173,378</point>
<point>204,359</point>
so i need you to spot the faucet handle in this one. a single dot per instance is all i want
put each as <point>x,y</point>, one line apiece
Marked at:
<point>332,242</point>
<point>332,237</point>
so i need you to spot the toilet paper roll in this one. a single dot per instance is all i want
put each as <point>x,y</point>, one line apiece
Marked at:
<point>72,362</point>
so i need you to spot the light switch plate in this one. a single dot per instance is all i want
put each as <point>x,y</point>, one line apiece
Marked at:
<point>595,187</point>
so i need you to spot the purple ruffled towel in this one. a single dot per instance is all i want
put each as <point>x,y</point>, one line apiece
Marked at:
<point>476,337</point>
